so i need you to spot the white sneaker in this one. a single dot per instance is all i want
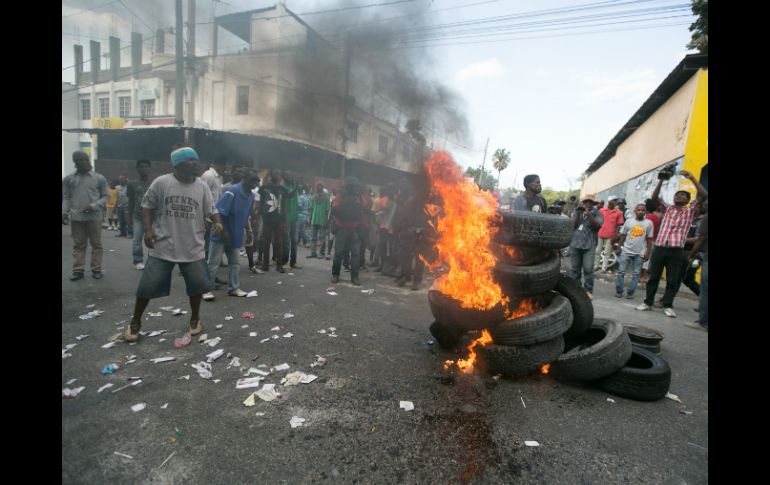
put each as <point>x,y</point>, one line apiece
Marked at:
<point>139,266</point>
<point>669,312</point>
<point>238,292</point>
<point>643,307</point>
<point>208,296</point>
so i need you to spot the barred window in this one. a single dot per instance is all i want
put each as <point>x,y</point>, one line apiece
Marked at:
<point>124,106</point>
<point>243,100</point>
<point>85,109</point>
<point>104,107</point>
<point>352,132</point>
<point>148,107</point>
<point>383,144</point>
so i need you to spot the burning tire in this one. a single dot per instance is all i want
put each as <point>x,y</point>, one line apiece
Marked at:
<point>600,351</point>
<point>449,312</point>
<point>517,280</point>
<point>645,377</point>
<point>520,255</point>
<point>582,308</point>
<point>516,360</point>
<point>446,336</point>
<point>550,322</point>
<point>534,230</point>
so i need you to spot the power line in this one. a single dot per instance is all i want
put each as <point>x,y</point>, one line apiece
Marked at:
<point>88,9</point>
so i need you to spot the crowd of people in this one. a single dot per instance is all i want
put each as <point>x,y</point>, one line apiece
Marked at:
<point>193,218</point>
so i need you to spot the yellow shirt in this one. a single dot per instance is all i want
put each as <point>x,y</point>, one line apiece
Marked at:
<point>113,200</point>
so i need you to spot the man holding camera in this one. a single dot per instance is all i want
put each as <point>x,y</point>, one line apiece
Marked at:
<point>668,251</point>
<point>588,220</point>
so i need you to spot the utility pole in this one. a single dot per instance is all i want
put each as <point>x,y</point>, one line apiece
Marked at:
<point>179,98</point>
<point>481,175</point>
<point>346,104</point>
<point>191,67</point>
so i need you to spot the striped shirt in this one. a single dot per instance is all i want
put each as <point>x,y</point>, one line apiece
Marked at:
<point>674,225</point>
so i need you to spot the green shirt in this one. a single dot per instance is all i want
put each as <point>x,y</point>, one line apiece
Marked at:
<point>292,204</point>
<point>319,211</point>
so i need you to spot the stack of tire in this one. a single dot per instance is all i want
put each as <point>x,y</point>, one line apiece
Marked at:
<point>528,266</point>
<point>564,332</point>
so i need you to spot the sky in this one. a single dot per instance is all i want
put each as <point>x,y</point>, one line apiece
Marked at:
<point>551,93</point>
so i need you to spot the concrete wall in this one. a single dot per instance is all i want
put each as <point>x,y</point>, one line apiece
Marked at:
<point>660,139</point>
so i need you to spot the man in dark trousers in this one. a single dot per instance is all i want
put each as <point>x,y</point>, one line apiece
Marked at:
<point>136,190</point>
<point>702,245</point>
<point>174,209</point>
<point>668,251</point>
<point>272,198</point>
<point>84,197</point>
<point>348,214</point>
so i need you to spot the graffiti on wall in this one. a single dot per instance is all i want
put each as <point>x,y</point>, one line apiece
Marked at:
<point>639,188</point>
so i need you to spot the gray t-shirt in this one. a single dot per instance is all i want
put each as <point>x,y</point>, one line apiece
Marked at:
<point>535,204</point>
<point>586,236</point>
<point>637,233</point>
<point>180,212</point>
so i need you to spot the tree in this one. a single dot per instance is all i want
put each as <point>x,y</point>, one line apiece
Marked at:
<point>500,160</point>
<point>487,181</point>
<point>700,28</point>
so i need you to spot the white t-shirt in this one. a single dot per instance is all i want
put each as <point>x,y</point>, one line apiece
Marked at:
<point>179,221</point>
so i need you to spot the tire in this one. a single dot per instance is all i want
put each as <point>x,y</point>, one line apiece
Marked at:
<point>582,308</point>
<point>600,351</point>
<point>449,312</point>
<point>519,255</point>
<point>446,336</point>
<point>519,360</point>
<point>517,281</point>
<point>645,377</point>
<point>550,322</point>
<point>655,349</point>
<point>534,230</point>
<point>643,335</point>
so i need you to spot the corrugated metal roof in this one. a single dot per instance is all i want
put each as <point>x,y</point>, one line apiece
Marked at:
<point>675,80</point>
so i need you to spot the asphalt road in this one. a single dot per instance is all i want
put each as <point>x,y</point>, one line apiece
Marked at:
<point>469,429</point>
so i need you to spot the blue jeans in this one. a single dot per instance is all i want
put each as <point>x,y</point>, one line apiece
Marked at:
<point>583,259</point>
<point>318,229</point>
<point>302,234</point>
<point>623,261</point>
<point>703,304</point>
<point>136,246</point>
<point>216,248</point>
<point>347,240</point>
<point>123,221</point>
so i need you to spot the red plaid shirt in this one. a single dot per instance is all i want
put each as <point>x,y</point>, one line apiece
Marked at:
<point>674,225</point>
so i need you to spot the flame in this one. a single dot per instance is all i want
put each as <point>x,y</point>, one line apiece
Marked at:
<point>466,365</point>
<point>526,306</point>
<point>544,369</point>
<point>465,229</point>
<point>509,251</point>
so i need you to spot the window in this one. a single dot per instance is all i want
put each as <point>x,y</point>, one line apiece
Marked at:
<point>148,107</point>
<point>407,153</point>
<point>352,132</point>
<point>383,144</point>
<point>104,107</point>
<point>243,100</point>
<point>85,109</point>
<point>124,106</point>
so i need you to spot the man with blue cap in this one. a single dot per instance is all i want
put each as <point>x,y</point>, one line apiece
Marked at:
<point>174,210</point>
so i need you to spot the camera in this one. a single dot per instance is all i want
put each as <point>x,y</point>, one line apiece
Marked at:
<point>667,172</point>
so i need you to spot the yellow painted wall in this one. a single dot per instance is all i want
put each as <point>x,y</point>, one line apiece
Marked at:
<point>660,139</point>
<point>696,154</point>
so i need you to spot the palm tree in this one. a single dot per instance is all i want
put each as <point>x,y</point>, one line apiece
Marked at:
<point>501,158</point>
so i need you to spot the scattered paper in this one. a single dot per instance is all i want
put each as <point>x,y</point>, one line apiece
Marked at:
<point>167,308</point>
<point>298,377</point>
<point>686,413</point>
<point>263,340</point>
<point>368,292</point>
<point>288,315</point>
<point>522,402</point>
<point>234,362</point>
<point>215,355</point>
<point>217,381</point>
<point>213,342</point>
<point>161,340</point>
<point>406,405</point>
<point>331,293</point>
<point>259,414</point>
<point>268,393</point>
<point>283,366</point>
<point>288,335</point>
<point>81,337</point>
<point>69,346</point>
<point>332,329</point>
<point>610,399</point>
<point>155,314</point>
<point>91,314</point>
<point>183,341</point>
<point>275,329</point>
<point>127,385</point>
<point>296,421</point>
<point>228,318</point>
<point>254,370</point>
<point>247,315</point>
<point>253,334</point>
<point>164,406</point>
<point>320,361</point>
<point>247,382</point>
<point>91,305</point>
<point>275,337</point>
<point>322,331</point>
<point>162,359</point>
<point>108,345</point>
<point>283,300</point>
<point>250,401</point>
<point>279,283</point>
<point>179,311</point>
<point>138,407</point>
<point>354,335</point>
<point>66,392</point>
<point>70,382</point>
<point>532,443</point>
<point>155,333</point>
<point>203,369</point>
<point>673,397</point>
<point>219,326</point>
<point>251,294</point>
<point>65,354</point>
<point>188,375</point>
<point>123,455</point>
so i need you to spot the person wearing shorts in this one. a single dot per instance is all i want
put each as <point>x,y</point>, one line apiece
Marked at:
<point>174,211</point>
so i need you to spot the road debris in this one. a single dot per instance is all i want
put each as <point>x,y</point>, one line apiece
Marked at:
<point>155,314</point>
<point>167,308</point>
<point>251,294</point>
<point>228,318</point>
<point>532,443</point>
<point>288,315</point>
<point>320,361</point>
<point>158,360</point>
<point>164,406</point>
<point>203,369</point>
<point>248,382</point>
<point>106,386</point>
<point>296,421</point>
<point>127,385</point>
<point>283,366</point>
<point>406,405</point>
<point>213,342</point>
<point>522,402</point>
<point>178,311</point>
<point>288,335</point>
<point>81,337</point>
<point>215,355</point>
<point>91,305</point>
<point>254,370</point>
<point>138,407</point>
<point>219,326</point>
<point>275,329</point>
<point>298,377</point>
<point>155,333</point>
<point>673,397</point>
<point>183,341</point>
<point>66,392</point>
<point>234,362</point>
<point>247,315</point>
<point>609,399</point>
<point>91,314</point>
<point>251,400</point>
<point>268,393</point>
<point>368,292</point>
<point>109,369</point>
<point>123,455</point>
<point>70,382</point>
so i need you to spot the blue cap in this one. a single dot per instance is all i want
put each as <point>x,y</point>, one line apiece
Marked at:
<point>182,155</point>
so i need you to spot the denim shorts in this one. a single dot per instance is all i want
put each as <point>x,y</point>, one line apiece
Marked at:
<point>156,278</point>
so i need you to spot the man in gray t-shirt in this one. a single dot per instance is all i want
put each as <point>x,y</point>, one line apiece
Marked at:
<point>636,245</point>
<point>174,210</point>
